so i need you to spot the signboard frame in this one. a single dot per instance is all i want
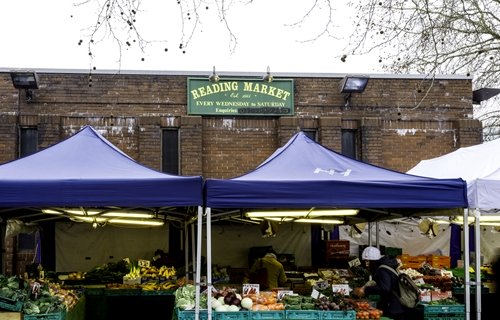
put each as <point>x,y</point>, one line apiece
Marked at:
<point>240,97</point>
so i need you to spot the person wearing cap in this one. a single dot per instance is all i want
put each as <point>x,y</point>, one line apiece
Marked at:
<point>384,284</point>
<point>276,276</point>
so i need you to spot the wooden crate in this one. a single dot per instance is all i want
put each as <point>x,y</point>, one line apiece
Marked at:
<point>439,261</point>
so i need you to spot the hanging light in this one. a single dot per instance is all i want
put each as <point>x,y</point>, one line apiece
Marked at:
<point>303,213</point>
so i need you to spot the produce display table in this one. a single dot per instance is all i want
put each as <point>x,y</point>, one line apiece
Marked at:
<point>123,304</point>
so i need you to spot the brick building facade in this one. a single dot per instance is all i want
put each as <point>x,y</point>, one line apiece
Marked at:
<point>397,121</point>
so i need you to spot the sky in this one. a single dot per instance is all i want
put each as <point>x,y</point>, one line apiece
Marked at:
<point>45,34</point>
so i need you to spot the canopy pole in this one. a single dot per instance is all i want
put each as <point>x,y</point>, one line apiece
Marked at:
<point>186,250</point>
<point>377,238</point>
<point>193,252</point>
<point>477,235</point>
<point>198,264</point>
<point>369,234</point>
<point>208,212</point>
<point>466,263</point>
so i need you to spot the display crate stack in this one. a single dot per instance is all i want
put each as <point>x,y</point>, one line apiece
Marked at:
<point>269,315</point>
<point>443,312</point>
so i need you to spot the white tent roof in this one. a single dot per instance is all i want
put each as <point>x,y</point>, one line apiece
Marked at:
<point>478,165</point>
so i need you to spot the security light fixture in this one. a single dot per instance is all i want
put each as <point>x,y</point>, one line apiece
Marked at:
<point>268,77</point>
<point>214,77</point>
<point>27,80</point>
<point>352,84</point>
<point>483,94</point>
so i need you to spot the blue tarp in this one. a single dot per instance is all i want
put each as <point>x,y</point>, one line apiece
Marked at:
<point>87,170</point>
<point>304,174</point>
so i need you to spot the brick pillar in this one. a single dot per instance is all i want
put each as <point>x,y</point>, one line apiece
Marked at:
<point>149,145</point>
<point>469,132</point>
<point>330,133</point>
<point>191,140</point>
<point>371,141</point>
<point>8,138</point>
<point>288,126</point>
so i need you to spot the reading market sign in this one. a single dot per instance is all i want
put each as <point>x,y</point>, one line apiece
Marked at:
<point>240,97</point>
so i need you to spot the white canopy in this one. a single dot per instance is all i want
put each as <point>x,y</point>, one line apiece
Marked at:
<point>478,165</point>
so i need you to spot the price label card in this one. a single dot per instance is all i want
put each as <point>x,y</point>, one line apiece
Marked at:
<point>341,288</point>
<point>315,294</point>
<point>354,263</point>
<point>282,293</point>
<point>321,285</point>
<point>250,288</point>
<point>143,263</point>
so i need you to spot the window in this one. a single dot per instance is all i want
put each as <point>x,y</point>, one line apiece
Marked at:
<point>28,141</point>
<point>170,151</point>
<point>349,143</point>
<point>310,133</point>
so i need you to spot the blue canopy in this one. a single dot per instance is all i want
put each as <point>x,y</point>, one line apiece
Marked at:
<point>87,170</point>
<point>304,174</point>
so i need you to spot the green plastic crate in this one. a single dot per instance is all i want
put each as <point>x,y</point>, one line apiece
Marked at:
<point>301,314</point>
<point>11,305</point>
<point>442,309</point>
<point>444,318</point>
<point>337,315</point>
<point>230,315</point>
<point>266,315</point>
<point>190,314</point>
<point>46,316</point>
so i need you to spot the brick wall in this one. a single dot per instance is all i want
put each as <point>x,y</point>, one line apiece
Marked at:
<point>400,120</point>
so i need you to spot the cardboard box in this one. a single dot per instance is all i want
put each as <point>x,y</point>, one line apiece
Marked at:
<point>438,295</point>
<point>439,261</point>
<point>11,316</point>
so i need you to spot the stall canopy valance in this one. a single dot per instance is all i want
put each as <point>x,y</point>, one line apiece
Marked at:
<point>87,170</point>
<point>303,173</point>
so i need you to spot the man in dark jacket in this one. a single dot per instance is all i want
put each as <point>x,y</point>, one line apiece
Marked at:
<point>385,284</point>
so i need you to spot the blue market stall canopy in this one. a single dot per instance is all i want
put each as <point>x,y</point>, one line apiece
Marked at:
<point>304,173</point>
<point>87,170</point>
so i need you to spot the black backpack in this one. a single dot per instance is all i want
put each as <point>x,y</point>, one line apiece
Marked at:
<point>408,291</point>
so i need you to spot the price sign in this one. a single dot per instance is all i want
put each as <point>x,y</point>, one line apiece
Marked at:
<point>354,263</point>
<point>282,293</point>
<point>143,263</point>
<point>341,288</point>
<point>250,288</point>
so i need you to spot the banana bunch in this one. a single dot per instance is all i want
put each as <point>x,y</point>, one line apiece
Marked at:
<point>134,273</point>
<point>155,286</point>
<point>154,272</point>
<point>167,272</point>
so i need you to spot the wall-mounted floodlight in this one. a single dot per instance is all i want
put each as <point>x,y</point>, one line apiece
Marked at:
<point>483,94</point>
<point>268,77</point>
<point>214,77</point>
<point>27,80</point>
<point>352,84</point>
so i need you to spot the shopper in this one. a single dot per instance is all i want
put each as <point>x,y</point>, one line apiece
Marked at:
<point>272,270</point>
<point>496,273</point>
<point>385,284</point>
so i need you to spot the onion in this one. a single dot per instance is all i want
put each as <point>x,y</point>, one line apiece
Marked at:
<point>247,303</point>
<point>228,299</point>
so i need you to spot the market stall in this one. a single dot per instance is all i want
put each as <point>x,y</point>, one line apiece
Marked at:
<point>479,166</point>
<point>86,173</point>
<point>305,174</point>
